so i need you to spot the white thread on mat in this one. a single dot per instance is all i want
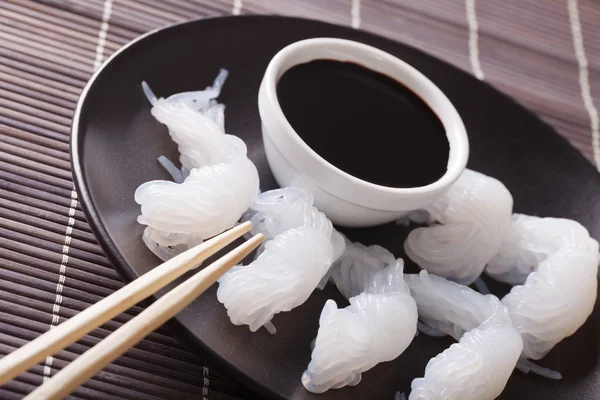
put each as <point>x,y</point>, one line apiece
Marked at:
<point>102,34</point>
<point>237,7</point>
<point>206,383</point>
<point>355,13</point>
<point>62,276</point>
<point>473,39</point>
<point>584,79</point>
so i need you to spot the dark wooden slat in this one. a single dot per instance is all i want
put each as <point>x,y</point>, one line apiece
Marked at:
<point>29,7</point>
<point>148,385</point>
<point>19,213</point>
<point>32,188</point>
<point>58,239</point>
<point>57,176</point>
<point>35,155</point>
<point>59,100</point>
<point>29,271</point>
<point>37,274</point>
<point>52,43</point>
<point>119,19</point>
<point>128,366</point>
<point>105,388</point>
<point>53,16</point>
<point>40,284</point>
<point>26,27</point>
<point>40,298</point>
<point>524,24</point>
<point>94,253</point>
<point>20,110</point>
<point>7,393</point>
<point>33,138</point>
<point>44,85</point>
<point>60,52</point>
<point>157,349</point>
<point>17,242</point>
<point>61,73</point>
<point>122,15</point>
<point>190,9</point>
<point>24,384</point>
<point>33,120</point>
<point>55,157</point>
<point>418,30</point>
<point>16,64</point>
<point>130,10</point>
<point>160,387</point>
<point>37,185</point>
<point>41,312</point>
<point>50,112</point>
<point>48,57</point>
<point>329,11</point>
<point>28,381</point>
<point>44,211</point>
<point>170,13</point>
<point>54,242</point>
<point>75,10</point>
<point>13,123</point>
<point>23,252</point>
<point>77,258</point>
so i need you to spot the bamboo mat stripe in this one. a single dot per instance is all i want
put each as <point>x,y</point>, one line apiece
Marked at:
<point>545,53</point>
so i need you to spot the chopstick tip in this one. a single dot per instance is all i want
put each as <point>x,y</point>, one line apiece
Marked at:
<point>259,237</point>
<point>247,225</point>
<point>255,240</point>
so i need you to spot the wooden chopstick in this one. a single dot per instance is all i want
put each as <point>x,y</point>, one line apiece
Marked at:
<point>118,342</point>
<point>74,328</point>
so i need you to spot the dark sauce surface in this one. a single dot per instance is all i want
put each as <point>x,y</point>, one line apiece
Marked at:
<point>365,123</point>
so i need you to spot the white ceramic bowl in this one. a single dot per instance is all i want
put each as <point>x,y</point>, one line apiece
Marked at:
<point>345,199</point>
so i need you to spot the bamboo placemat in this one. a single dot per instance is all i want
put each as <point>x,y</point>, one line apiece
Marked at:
<point>545,53</point>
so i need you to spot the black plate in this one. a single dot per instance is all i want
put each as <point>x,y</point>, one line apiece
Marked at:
<point>116,142</point>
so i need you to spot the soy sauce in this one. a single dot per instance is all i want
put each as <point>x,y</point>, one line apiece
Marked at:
<point>365,123</point>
